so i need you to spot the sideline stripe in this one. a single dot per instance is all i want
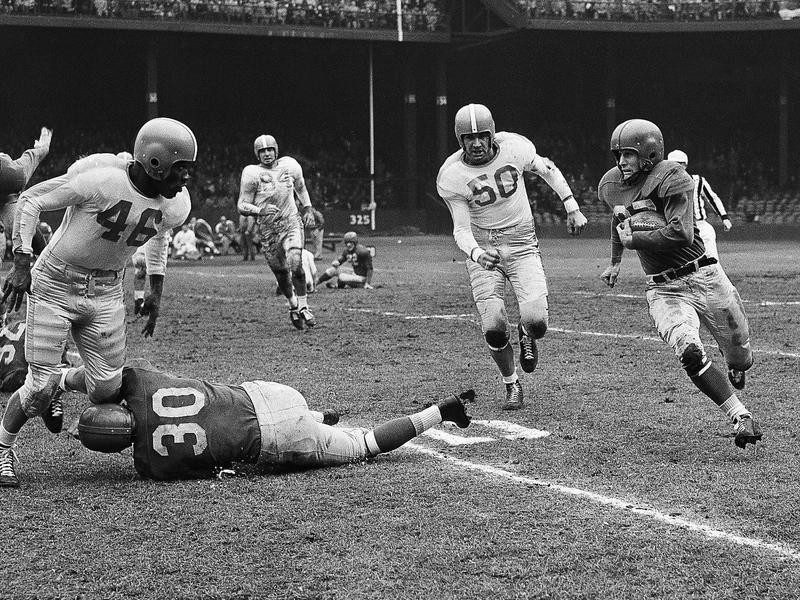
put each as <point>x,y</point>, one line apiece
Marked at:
<point>781,550</point>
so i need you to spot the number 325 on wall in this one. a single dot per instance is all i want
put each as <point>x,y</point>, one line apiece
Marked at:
<point>361,219</point>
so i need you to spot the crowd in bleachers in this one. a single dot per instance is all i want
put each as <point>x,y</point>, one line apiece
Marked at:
<point>337,173</point>
<point>660,10</point>
<point>417,15</point>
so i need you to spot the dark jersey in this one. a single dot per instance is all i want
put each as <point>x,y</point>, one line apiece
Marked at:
<point>185,428</point>
<point>666,189</point>
<point>360,258</point>
<point>13,366</point>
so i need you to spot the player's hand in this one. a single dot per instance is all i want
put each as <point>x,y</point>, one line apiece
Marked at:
<point>308,218</point>
<point>18,281</point>
<point>610,275</point>
<point>489,259</point>
<point>150,310</point>
<point>576,222</point>
<point>625,233</point>
<point>727,225</point>
<point>43,143</point>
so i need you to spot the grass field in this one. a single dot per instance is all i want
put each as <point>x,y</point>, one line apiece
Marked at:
<point>637,491</point>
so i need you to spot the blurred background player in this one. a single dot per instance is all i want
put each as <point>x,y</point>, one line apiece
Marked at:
<point>359,257</point>
<point>702,195</point>
<point>268,191</point>
<point>184,244</point>
<point>216,425</point>
<point>482,185</point>
<point>226,233</point>
<point>247,232</point>
<point>315,234</point>
<point>204,236</point>
<point>112,206</point>
<point>685,286</point>
<point>14,176</point>
<point>139,260</point>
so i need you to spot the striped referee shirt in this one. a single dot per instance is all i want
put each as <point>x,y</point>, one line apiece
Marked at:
<point>703,194</point>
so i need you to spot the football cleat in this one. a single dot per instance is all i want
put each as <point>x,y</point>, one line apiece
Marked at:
<point>53,415</point>
<point>308,317</point>
<point>737,378</point>
<point>528,352</point>
<point>514,396</point>
<point>453,408</point>
<point>746,431</point>
<point>297,320</point>
<point>330,417</point>
<point>8,474</point>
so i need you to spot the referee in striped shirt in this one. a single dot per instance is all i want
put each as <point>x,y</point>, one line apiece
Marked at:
<point>704,194</point>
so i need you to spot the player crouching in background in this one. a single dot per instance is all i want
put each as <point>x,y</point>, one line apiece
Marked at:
<point>359,256</point>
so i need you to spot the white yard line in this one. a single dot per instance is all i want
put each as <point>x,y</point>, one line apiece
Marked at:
<point>456,440</point>
<point>626,336</point>
<point>781,550</point>
<point>513,431</point>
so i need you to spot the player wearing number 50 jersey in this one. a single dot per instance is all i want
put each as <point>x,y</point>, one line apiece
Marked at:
<point>482,185</point>
<point>112,207</point>
<point>189,428</point>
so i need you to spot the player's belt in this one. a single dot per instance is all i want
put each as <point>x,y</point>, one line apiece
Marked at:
<point>683,271</point>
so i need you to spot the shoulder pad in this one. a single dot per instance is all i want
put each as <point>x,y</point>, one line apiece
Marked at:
<point>668,175</point>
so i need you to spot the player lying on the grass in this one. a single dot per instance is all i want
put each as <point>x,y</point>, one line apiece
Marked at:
<point>685,285</point>
<point>188,428</point>
<point>359,257</point>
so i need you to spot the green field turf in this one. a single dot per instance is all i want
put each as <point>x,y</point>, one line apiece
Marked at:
<point>637,491</point>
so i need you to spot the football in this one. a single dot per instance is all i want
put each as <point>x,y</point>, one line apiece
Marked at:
<point>647,220</point>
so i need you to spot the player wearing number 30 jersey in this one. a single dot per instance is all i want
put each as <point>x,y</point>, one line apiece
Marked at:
<point>112,207</point>
<point>482,185</point>
<point>189,428</point>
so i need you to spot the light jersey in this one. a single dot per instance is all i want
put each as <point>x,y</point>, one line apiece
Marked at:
<point>495,192</point>
<point>185,427</point>
<point>264,186</point>
<point>106,217</point>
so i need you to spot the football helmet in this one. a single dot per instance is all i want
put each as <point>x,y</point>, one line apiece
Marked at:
<point>106,427</point>
<point>678,156</point>
<point>641,136</point>
<point>350,236</point>
<point>473,118</point>
<point>160,143</point>
<point>263,142</point>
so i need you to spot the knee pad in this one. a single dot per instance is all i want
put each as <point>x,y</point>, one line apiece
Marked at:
<point>536,329</point>
<point>496,340</point>
<point>534,317</point>
<point>694,360</point>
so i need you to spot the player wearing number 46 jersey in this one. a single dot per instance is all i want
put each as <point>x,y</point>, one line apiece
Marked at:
<point>482,185</point>
<point>112,207</point>
<point>188,428</point>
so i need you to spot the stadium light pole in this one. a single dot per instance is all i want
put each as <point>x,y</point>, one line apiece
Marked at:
<point>371,145</point>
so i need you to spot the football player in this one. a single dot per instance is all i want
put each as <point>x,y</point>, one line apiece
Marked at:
<point>482,185</point>
<point>268,191</point>
<point>112,206</point>
<point>685,286</point>
<point>187,428</point>
<point>14,176</point>
<point>359,257</point>
<point>702,194</point>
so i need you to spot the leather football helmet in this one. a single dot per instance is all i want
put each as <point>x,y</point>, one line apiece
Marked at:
<point>263,142</point>
<point>641,136</point>
<point>160,143</point>
<point>473,118</point>
<point>350,236</point>
<point>678,156</point>
<point>106,427</point>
